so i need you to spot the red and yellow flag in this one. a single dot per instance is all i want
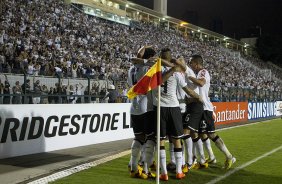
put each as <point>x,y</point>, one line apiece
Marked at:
<point>149,81</point>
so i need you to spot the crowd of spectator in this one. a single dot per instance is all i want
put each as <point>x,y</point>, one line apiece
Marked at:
<point>50,38</point>
<point>33,92</point>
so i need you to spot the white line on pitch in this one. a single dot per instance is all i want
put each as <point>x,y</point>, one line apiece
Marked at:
<point>67,172</point>
<point>243,166</point>
<point>237,126</point>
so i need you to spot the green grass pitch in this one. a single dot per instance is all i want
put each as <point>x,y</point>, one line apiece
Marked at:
<point>246,143</point>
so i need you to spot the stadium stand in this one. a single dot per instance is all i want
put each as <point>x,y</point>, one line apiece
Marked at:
<point>49,39</point>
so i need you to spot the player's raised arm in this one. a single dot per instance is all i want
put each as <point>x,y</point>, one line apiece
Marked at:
<point>181,62</point>
<point>192,93</point>
<point>170,72</point>
<point>199,82</point>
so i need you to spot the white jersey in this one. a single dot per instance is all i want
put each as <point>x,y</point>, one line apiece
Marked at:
<point>181,97</point>
<point>190,73</point>
<point>168,90</point>
<point>204,91</point>
<point>139,103</point>
<point>150,105</point>
<point>180,92</point>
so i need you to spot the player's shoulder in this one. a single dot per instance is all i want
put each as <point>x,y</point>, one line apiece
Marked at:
<point>179,74</point>
<point>189,72</point>
<point>203,73</point>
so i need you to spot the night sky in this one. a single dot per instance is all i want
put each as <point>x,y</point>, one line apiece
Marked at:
<point>232,18</point>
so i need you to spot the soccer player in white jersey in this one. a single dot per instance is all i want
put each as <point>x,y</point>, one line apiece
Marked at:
<point>149,120</point>
<point>171,119</point>
<point>207,124</point>
<point>191,122</point>
<point>138,114</point>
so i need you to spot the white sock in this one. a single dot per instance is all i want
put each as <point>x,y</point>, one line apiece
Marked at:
<point>200,150</point>
<point>163,161</point>
<point>145,168</point>
<point>183,155</point>
<point>171,151</point>
<point>130,161</point>
<point>178,159</point>
<point>149,154</point>
<point>207,145</point>
<point>221,146</point>
<point>189,150</point>
<point>154,154</point>
<point>142,157</point>
<point>195,153</point>
<point>135,154</point>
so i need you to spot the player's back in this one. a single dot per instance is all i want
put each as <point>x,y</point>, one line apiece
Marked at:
<point>204,90</point>
<point>139,103</point>
<point>168,90</point>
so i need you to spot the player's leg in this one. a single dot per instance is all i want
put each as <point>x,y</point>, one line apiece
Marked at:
<point>150,144</point>
<point>193,118</point>
<point>164,175</point>
<point>136,146</point>
<point>171,165</point>
<point>142,155</point>
<point>207,145</point>
<point>217,140</point>
<point>230,159</point>
<point>175,130</point>
<point>163,133</point>
<point>188,147</point>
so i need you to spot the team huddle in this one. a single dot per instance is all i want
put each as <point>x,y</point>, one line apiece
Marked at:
<point>185,117</point>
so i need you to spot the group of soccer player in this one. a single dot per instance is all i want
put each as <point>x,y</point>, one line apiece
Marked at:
<point>186,117</point>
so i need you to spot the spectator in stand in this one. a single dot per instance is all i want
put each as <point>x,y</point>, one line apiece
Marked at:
<point>57,92</point>
<point>51,98</point>
<point>17,91</point>
<point>123,94</point>
<point>27,99</point>
<point>45,92</point>
<point>215,98</point>
<point>71,93</point>
<point>74,68</point>
<point>57,38</point>
<point>78,91</point>
<point>102,94</point>
<point>87,95</point>
<point>94,92</point>
<point>30,68</point>
<point>37,89</point>
<point>64,94</point>
<point>112,94</point>
<point>1,91</point>
<point>2,60</point>
<point>6,91</point>
<point>58,71</point>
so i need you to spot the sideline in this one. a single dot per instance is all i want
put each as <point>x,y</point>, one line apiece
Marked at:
<point>75,169</point>
<point>243,166</point>
<point>238,126</point>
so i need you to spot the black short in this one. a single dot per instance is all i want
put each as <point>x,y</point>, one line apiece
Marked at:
<point>193,116</point>
<point>171,122</point>
<point>150,123</point>
<point>138,123</point>
<point>207,123</point>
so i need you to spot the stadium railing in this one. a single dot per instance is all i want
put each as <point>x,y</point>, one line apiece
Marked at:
<point>237,94</point>
<point>217,92</point>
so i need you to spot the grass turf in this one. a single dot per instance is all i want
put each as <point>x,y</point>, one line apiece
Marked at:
<point>245,143</point>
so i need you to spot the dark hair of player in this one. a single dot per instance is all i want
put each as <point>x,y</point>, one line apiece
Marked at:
<point>166,54</point>
<point>149,52</point>
<point>197,59</point>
